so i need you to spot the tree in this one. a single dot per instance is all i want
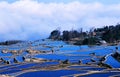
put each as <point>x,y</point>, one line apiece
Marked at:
<point>66,35</point>
<point>55,34</point>
<point>90,41</point>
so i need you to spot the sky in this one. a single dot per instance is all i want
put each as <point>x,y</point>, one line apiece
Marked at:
<point>35,19</point>
<point>66,1</point>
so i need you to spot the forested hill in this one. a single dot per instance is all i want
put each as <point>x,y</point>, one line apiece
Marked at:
<point>110,34</point>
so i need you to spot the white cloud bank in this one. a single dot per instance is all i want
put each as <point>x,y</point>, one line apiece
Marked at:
<point>28,19</point>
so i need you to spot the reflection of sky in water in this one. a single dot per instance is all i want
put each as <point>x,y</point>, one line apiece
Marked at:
<point>57,73</point>
<point>102,74</point>
<point>62,51</point>
<point>112,62</point>
<point>5,54</point>
<point>86,67</point>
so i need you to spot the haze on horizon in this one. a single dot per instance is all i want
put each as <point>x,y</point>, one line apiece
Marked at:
<point>35,19</point>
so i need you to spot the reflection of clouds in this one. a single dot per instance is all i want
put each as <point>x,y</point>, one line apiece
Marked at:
<point>25,18</point>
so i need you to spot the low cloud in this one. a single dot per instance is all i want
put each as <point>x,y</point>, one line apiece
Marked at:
<point>28,19</point>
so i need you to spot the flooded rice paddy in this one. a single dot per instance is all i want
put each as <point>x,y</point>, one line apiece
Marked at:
<point>47,58</point>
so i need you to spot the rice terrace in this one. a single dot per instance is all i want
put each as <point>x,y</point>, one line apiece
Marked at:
<point>28,59</point>
<point>59,38</point>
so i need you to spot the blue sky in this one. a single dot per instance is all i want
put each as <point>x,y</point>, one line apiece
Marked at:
<point>33,19</point>
<point>84,1</point>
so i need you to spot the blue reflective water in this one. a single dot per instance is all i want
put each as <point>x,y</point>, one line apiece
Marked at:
<point>62,51</point>
<point>101,74</point>
<point>9,71</point>
<point>52,56</point>
<point>57,73</point>
<point>89,68</point>
<point>112,62</point>
<point>5,54</point>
